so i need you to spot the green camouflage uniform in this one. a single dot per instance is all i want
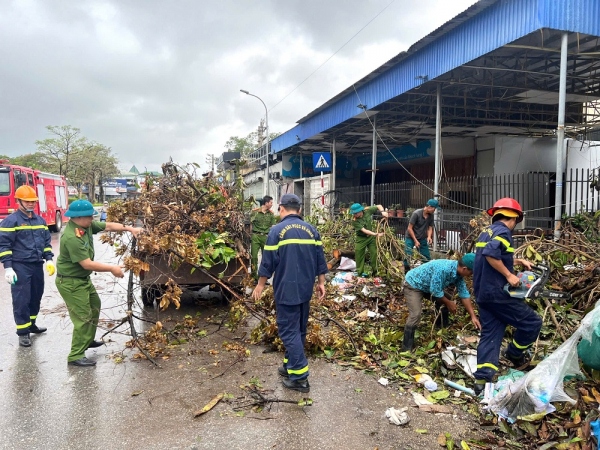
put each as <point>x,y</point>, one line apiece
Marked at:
<point>261,224</point>
<point>364,241</point>
<point>75,287</point>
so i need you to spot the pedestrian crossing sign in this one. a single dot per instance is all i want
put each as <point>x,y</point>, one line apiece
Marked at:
<point>322,162</point>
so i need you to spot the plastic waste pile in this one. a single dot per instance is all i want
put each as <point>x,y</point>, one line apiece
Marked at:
<point>533,393</point>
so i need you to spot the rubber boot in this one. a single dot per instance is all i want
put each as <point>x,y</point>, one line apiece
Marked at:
<point>409,339</point>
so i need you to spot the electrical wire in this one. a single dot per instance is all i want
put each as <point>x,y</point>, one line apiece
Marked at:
<point>442,196</point>
<point>336,52</point>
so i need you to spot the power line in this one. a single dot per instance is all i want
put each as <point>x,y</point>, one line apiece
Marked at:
<point>336,52</point>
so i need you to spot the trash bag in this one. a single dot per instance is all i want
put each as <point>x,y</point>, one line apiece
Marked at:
<point>347,264</point>
<point>534,393</point>
<point>589,350</point>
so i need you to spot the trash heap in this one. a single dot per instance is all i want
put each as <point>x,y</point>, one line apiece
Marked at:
<point>360,324</point>
<point>186,219</point>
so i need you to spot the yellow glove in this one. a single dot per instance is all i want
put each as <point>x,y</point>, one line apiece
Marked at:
<point>50,267</point>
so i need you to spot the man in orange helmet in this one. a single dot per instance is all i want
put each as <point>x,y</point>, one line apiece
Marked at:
<point>493,269</point>
<point>24,246</point>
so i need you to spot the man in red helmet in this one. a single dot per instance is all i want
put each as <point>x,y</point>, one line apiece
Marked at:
<point>493,268</point>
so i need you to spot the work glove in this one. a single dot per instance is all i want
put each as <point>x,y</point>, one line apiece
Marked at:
<point>50,267</point>
<point>10,276</point>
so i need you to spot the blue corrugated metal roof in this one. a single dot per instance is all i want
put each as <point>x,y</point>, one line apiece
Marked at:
<point>451,46</point>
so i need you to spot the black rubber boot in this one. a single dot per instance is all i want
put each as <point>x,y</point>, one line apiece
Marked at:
<point>24,340</point>
<point>409,339</point>
<point>36,330</point>
<point>283,372</point>
<point>479,387</point>
<point>519,362</point>
<point>296,385</point>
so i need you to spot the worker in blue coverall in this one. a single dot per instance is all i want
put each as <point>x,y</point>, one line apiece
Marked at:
<point>24,246</point>
<point>492,270</point>
<point>294,251</point>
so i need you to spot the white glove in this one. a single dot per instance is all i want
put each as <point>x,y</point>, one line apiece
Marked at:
<point>10,276</point>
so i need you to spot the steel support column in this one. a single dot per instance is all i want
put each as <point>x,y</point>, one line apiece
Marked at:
<point>333,197</point>
<point>438,146</point>
<point>373,160</point>
<point>560,132</point>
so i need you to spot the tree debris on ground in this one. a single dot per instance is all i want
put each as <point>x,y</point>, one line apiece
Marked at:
<point>359,323</point>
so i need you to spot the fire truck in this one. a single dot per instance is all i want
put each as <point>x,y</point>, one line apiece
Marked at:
<point>51,190</point>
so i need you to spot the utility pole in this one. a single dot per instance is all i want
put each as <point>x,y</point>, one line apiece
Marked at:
<point>210,160</point>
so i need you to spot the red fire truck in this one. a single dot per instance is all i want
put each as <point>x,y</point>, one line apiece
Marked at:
<point>51,191</point>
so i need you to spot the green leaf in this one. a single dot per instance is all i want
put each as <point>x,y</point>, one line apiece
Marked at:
<point>440,395</point>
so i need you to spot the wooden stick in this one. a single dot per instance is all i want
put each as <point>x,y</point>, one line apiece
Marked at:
<point>553,316</point>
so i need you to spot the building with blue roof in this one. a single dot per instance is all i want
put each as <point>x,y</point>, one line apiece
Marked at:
<point>478,97</point>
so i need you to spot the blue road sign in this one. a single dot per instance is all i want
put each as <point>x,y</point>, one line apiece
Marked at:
<point>322,162</point>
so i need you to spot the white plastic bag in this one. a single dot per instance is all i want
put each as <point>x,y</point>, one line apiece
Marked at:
<point>347,264</point>
<point>534,393</point>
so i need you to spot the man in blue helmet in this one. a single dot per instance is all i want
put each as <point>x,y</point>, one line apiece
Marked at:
<point>294,251</point>
<point>75,265</point>
<point>365,236</point>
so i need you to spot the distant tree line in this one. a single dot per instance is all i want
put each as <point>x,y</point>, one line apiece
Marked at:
<point>66,152</point>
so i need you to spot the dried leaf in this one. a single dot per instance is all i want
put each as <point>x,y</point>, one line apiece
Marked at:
<point>441,440</point>
<point>136,393</point>
<point>210,405</point>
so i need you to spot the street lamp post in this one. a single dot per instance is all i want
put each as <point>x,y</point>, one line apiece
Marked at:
<point>266,185</point>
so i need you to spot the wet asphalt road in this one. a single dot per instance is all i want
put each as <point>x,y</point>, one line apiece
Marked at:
<point>46,404</point>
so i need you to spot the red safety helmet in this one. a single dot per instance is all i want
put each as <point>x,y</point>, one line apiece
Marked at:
<point>507,204</point>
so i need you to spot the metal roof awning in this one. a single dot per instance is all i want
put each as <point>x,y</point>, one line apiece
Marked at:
<point>498,67</point>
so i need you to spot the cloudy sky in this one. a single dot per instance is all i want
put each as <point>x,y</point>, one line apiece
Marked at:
<point>153,79</point>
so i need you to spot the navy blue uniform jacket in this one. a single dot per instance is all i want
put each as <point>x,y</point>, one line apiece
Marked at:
<point>24,239</point>
<point>294,251</point>
<point>495,241</point>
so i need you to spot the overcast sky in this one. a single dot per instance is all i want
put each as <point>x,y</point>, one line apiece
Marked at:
<point>153,79</point>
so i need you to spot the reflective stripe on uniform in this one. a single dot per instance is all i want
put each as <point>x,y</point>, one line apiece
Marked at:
<point>520,347</point>
<point>9,252</point>
<point>26,227</point>
<point>479,366</point>
<point>298,372</point>
<point>26,325</point>
<point>48,249</point>
<point>33,317</point>
<point>293,241</point>
<point>285,360</point>
<point>506,244</point>
<point>498,238</point>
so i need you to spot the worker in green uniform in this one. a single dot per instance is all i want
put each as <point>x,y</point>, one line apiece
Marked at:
<point>262,219</point>
<point>365,236</point>
<point>74,265</point>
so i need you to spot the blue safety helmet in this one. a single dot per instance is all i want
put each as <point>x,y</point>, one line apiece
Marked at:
<point>356,208</point>
<point>80,208</point>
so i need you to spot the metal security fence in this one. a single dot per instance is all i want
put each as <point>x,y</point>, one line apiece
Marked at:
<point>465,197</point>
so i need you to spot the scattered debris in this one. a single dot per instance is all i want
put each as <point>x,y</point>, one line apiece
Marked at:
<point>397,416</point>
<point>210,405</point>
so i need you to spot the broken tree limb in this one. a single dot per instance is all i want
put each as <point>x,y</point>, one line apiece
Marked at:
<point>553,316</point>
<point>130,301</point>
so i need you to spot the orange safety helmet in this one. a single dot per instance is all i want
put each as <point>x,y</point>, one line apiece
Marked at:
<point>507,206</point>
<point>26,193</point>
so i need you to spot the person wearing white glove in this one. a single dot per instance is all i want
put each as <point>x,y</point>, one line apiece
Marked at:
<point>10,276</point>
<point>24,246</point>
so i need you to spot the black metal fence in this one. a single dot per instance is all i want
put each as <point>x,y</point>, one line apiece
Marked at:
<point>464,197</point>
